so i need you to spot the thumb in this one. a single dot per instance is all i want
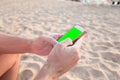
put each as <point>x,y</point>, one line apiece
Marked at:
<point>67,42</point>
<point>78,43</point>
<point>56,36</point>
<point>49,39</point>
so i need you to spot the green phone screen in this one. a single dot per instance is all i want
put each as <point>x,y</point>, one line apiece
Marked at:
<point>73,34</point>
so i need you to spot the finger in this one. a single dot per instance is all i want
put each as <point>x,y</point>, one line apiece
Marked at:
<point>56,35</point>
<point>78,43</point>
<point>49,39</point>
<point>67,42</point>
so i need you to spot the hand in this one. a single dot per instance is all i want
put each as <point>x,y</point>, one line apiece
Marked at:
<point>44,44</point>
<point>61,59</point>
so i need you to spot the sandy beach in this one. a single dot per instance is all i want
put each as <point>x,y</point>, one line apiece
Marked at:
<point>100,50</point>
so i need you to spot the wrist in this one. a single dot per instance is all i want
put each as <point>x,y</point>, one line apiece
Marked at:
<point>29,44</point>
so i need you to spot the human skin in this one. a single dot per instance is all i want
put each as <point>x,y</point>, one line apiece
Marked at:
<point>61,56</point>
<point>11,47</point>
<point>9,64</point>
<point>41,46</point>
<point>61,59</point>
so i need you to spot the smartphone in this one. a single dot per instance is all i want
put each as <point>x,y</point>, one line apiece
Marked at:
<point>74,33</point>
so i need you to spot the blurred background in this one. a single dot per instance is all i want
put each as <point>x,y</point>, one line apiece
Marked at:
<point>100,51</point>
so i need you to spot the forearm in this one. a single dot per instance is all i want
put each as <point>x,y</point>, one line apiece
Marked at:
<point>47,73</point>
<point>10,44</point>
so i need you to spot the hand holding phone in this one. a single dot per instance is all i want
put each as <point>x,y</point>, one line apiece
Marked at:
<point>74,33</point>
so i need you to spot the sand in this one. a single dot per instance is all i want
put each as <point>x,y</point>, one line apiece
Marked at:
<point>100,50</point>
